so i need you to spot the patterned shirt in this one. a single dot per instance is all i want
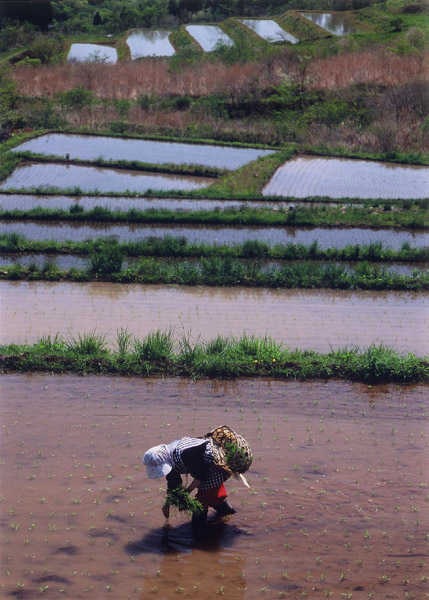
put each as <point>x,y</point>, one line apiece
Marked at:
<point>195,456</point>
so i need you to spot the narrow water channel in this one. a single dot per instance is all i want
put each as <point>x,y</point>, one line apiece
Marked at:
<point>326,238</point>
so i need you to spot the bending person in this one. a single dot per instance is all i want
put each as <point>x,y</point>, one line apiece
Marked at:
<point>210,461</point>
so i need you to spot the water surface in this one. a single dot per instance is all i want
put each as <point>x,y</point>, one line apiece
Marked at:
<point>326,238</point>
<point>60,176</point>
<point>269,30</point>
<point>209,36</point>
<point>335,463</point>
<point>125,203</point>
<point>348,178</point>
<point>305,319</point>
<point>92,53</point>
<point>149,42</point>
<point>337,23</point>
<point>86,147</point>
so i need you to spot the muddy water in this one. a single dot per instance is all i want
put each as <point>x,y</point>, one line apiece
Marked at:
<point>43,175</point>
<point>269,30</point>
<point>299,319</point>
<point>208,36</point>
<point>86,147</point>
<point>348,178</point>
<point>92,53</point>
<point>125,203</point>
<point>326,238</point>
<point>149,42</point>
<point>336,23</point>
<point>338,500</point>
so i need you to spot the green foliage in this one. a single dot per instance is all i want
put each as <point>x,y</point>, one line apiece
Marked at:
<point>182,500</point>
<point>156,346</point>
<point>231,358</point>
<point>77,98</point>
<point>106,262</point>
<point>87,344</point>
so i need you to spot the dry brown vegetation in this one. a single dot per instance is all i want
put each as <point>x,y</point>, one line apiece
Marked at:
<point>129,80</point>
<point>380,67</point>
<point>152,76</point>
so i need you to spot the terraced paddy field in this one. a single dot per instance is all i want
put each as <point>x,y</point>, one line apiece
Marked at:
<point>269,30</point>
<point>306,319</point>
<point>149,42</point>
<point>335,22</point>
<point>325,237</point>
<point>125,203</point>
<point>348,178</point>
<point>91,52</point>
<point>86,147</point>
<point>60,176</point>
<point>337,505</point>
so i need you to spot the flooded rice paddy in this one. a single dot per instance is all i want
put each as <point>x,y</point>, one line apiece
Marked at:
<point>306,319</point>
<point>269,30</point>
<point>336,23</point>
<point>348,178</point>
<point>60,176</point>
<point>149,42</point>
<point>337,506</point>
<point>326,238</point>
<point>126,203</point>
<point>92,53</point>
<point>86,147</point>
<point>208,36</point>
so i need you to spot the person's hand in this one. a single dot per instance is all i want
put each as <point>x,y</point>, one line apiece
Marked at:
<point>166,510</point>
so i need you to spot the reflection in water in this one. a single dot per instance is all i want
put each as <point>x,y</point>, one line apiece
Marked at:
<point>149,42</point>
<point>348,178</point>
<point>306,319</point>
<point>92,52</point>
<point>206,567</point>
<point>325,237</point>
<point>337,23</point>
<point>87,147</point>
<point>269,30</point>
<point>125,203</point>
<point>59,176</point>
<point>209,36</point>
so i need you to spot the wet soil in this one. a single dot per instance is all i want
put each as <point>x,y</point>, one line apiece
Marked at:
<point>338,502</point>
<point>305,319</point>
<point>325,237</point>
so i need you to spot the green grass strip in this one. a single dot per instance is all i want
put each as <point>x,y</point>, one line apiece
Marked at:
<point>228,272</point>
<point>301,217</point>
<point>180,247</point>
<point>222,357</point>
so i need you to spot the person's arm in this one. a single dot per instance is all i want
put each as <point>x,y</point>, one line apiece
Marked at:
<point>194,484</point>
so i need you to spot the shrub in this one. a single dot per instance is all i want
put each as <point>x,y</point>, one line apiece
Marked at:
<point>77,98</point>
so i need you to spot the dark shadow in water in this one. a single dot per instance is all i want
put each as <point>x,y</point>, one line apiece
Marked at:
<point>219,534</point>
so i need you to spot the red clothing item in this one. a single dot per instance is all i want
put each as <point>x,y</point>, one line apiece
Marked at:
<point>212,497</point>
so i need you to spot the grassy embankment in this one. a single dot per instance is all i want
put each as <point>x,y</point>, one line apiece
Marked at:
<point>229,272</point>
<point>180,247</point>
<point>158,354</point>
<point>415,217</point>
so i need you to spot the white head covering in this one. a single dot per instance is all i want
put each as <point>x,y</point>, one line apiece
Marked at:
<point>158,460</point>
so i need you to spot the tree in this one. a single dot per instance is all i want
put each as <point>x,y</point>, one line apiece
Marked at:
<point>97,19</point>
